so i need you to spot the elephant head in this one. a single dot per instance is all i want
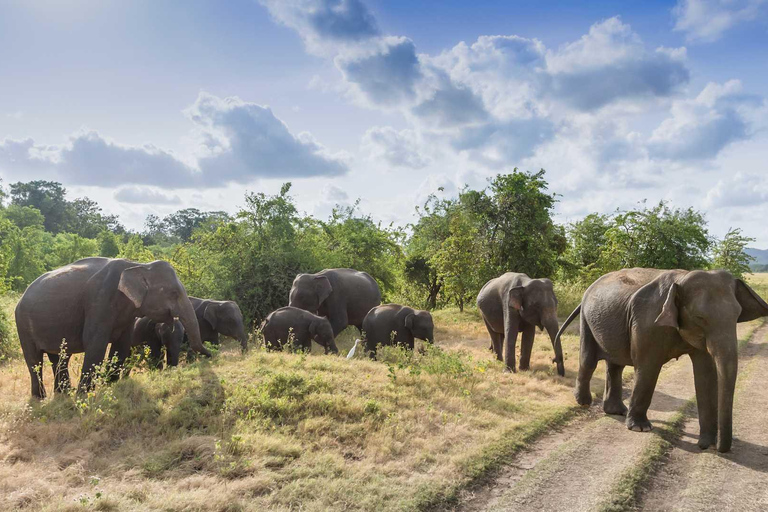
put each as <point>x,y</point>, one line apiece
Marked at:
<point>321,331</point>
<point>420,324</point>
<point>226,318</point>
<point>309,291</point>
<point>537,305</point>
<point>704,307</point>
<point>172,335</point>
<point>156,292</point>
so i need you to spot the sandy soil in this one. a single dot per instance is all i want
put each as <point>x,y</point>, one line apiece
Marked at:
<point>576,468</point>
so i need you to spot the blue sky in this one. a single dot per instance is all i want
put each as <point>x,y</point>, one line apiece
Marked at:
<point>153,106</point>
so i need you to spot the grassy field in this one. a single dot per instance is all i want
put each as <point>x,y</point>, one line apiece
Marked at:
<point>284,431</point>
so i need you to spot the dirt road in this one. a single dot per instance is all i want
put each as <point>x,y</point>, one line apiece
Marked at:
<point>583,466</point>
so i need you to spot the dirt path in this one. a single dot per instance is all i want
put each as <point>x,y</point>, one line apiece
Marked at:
<point>577,468</point>
<point>692,480</point>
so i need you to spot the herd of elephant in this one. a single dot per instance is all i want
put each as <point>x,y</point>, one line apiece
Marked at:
<point>633,317</point>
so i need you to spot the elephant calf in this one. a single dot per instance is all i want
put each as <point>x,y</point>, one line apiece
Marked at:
<point>644,317</point>
<point>303,326</point>
<point>395,324</point>
<point>217,317</point>
<point>156,335</point>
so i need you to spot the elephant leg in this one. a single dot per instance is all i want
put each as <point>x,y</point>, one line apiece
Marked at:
<point>588,353</point>
<point>497,341</point>
<point>612,401</point>
<point>526,345</point>
<point>60,367</point>
<point>705,380</point>
<point>34,359</point>
<point>646,375</point>
<point>511,324</point>
<point>118,353</point>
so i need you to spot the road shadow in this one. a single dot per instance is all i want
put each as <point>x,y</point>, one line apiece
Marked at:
<point>744,453</point>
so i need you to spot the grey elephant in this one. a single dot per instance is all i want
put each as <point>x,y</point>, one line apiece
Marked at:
<point>284,323</point>
<point>155,335</point>
<point>342,295</point>
<point>513,303</point>
<point>217,317</point>
<point>406,323</point>
<point>645,317</point>
<point>91,303</point>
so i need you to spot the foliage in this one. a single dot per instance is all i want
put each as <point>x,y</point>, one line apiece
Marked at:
<point>729,253</point>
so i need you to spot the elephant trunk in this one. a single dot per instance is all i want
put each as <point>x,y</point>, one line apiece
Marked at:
<point>552,328</point>
<point>242,338</point>
<point>726,360</point>
<point>189,321</point>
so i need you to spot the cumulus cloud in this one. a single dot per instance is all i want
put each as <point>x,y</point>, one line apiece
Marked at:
<point>397,148</point>
<point>700,128</point>
<point>241,141</point>
<point>611,63</point>
<point>325,24</point>
<point>708,20</point>
<point>741,190</point>
<point>238,143</point>
<point>145,195</point>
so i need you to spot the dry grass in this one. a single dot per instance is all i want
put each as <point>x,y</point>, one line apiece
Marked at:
<point>281,431</point>
<point>759,282</point>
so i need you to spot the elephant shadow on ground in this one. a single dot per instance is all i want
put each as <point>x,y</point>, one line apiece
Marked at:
<point>743,453</point>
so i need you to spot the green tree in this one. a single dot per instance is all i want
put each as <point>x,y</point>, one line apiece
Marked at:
<point>49,198</point>
<point>134,250</point>
<point>729,253</point>
<point>456,260</point>
<point>24,216</point>
<point>658,237</point>
<point>109,244</point>
<point>69,247</point>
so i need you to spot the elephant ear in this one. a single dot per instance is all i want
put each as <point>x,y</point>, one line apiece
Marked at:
<point>323,287</point>
<point>409,321</point>
<point>669,314</point>
<point>516,297</point>
<point>752,305</point>
<point>133,284</point>
<point>210,314</point>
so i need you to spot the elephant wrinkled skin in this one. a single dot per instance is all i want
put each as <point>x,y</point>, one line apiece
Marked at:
<point>513,303</point>
<point>645,317</point>
<point>91,303</point>
<point>406,324</point>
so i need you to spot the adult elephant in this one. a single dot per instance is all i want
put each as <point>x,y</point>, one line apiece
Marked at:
<point>155,335</point>
<point>219,317</point>
<point>298,326</point>
<point>342,295</point>
<point>644,317</point>
<point>91,303</point>
<point>406,323</point>
<point>513,303</point>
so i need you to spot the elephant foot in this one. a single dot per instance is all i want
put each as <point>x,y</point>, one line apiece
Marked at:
<point>510,369</point>
<point>524,367</point>
<point>616,407</point>
<point>706,440</point>
<point>724,445</point>
<point>639,424</point>
<point>583,397</point>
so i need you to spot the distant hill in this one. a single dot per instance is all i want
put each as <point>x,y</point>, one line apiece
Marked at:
<point>760,264</point>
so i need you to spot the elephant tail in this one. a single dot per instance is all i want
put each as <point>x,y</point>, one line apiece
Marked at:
<point>574,314</point>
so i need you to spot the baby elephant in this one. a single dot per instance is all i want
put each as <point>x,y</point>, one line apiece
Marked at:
<point>156,335</point>
<point>406,324</point>
<point>303,326</point>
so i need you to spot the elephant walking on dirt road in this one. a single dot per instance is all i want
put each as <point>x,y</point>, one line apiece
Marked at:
<point>643,318</point>
<point>342,295</point>
<point>91,303</point>
<point>513,303</point>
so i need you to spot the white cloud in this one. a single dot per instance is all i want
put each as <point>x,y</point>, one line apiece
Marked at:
<point>145,195</point>
<point>707,20</point>
<point>238,142</point>
<point>700,128</point>
<point>397,148</point>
